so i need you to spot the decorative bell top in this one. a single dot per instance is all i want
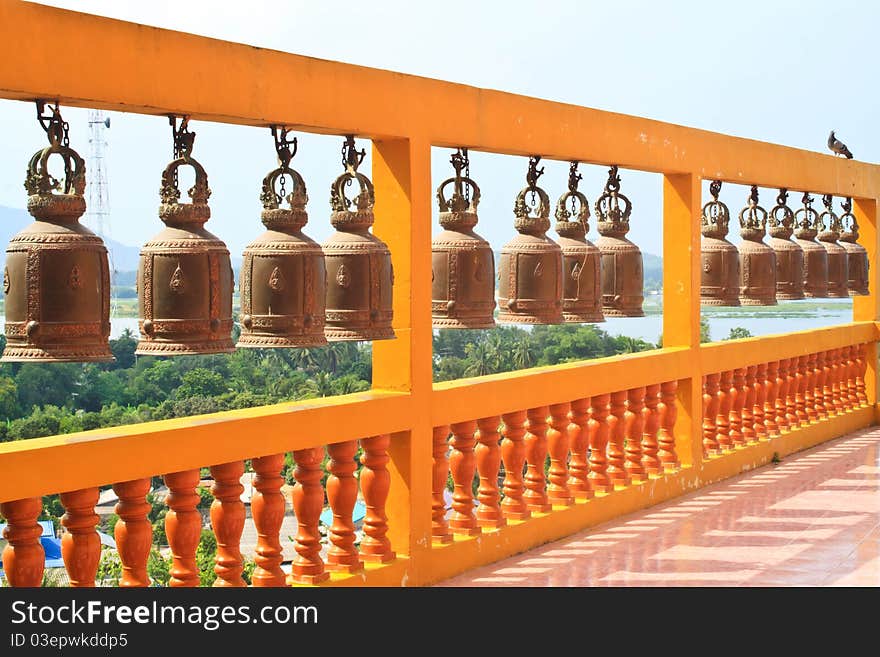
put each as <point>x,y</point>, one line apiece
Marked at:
<point>171,211</point>
<point>829,221</point>
<point>526,222</point>
<point>753,218</point>
<point>459,212</point>
<point>343,217</point>
<point>612,220</point>
<point>780,220</point>
<point>716,215</point>
<point>580,208</point>
<point>848,223</point>
<point>273,215</point>
<point>806,220</point>
<point>44,203</point>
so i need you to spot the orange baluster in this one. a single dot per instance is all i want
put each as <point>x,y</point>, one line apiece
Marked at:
<point>770,392</point>
<point>513,454</point>
<point>722,419</point>
<point>851,377</point>
<point>616,456</point>
<point>488,456</point>
<point>81,545</point>
<point>462,466</point>
<point>782,395</point>
<point>818,384</point>
<point>737,401</point>
<point>861,368</point>
<point>804,397</point>
<point>227,519</point>
<point>579,435</point>
<point>758,408</point>
<point>598,428</point>
<point>342,489</point>
<point>133,533</point>
<point>832,380</point>
<point>535,440</point>
<point>440,470</point>
<point>557,447</point>
<point>307,497</point>
<point>23,556</point>
<point>651,423</point>
<point>668,413</point>
<point>748,417</point>
<point>791,392</point>
<point>634,427</point>
<point>183,526</point>
<point>825,372</point>
<point>267,509</point>
<point>842,389</point>
<point>710,413</point>
<point>375,484</point>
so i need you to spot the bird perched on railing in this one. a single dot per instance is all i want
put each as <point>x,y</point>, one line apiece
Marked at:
<point>838,147</point>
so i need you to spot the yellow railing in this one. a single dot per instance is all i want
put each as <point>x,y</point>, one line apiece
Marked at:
<point>159,72</point>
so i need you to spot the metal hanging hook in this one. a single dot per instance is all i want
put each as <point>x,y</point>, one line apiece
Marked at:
<point>573,177</point>
<point>715,189</point>
<point>56,128</point>
<point>827,199</point>
<point>351,157</point>
<point>283,145</point>
<point>183,138</point>
<point>613,184</point>
<point>753,196</point>
<point>847,204</point>
<point>534,173</point>
<point>782,197</point>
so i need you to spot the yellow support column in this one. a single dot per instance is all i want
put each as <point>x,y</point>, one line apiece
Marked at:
<point>402,180</point>
<point>867,309</point>
<point>681,303</point>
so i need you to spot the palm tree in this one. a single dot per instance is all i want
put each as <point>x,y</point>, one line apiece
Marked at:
<point>479,357</point>
<point>522,353</point>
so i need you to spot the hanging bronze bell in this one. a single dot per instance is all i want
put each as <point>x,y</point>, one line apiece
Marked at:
<point>622,271</point>
<point>789,254</point>
<point>185,276</point>
<point>806,222</point>
<point>581,260</point>
<point>462,262</point>
<point>719,276</point>
<point>359,272</point>
<point>57,278</point>
<point>857,255</point>
<point>757,261</point>
<point>838,268</point>
<point>282,273</point>
<point>530,276</point>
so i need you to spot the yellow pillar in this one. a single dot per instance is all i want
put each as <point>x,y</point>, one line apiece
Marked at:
<point>402,180</point>
<point>867,308</point>
<point>681,303</point>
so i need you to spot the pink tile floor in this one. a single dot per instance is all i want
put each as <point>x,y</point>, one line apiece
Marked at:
<point>811,520</point>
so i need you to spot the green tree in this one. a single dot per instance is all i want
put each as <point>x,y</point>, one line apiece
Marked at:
<point>705,335</point>
<point>201,382</point>
<point>8,398</point>
<point>738,332</point>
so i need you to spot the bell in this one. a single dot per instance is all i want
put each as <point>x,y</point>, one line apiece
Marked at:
<point>359,272</point>
<point>757,261</point>
<point>463,265</point>
<point>806,221</point>
<point>282,272</point>
<point>581,260</point>
<point>719,278</point>
<point>838,268</point>
<point>622,273</point>
<point>789,254</point>
<point>857,255</point>
<point>57,278</point>
<point>185,275</point>
<point>530,279</point>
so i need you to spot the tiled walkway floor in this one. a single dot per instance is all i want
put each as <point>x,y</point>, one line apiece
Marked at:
<point>811,520</point>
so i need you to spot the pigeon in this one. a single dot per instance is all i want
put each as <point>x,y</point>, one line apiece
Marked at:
<point>838,147</point>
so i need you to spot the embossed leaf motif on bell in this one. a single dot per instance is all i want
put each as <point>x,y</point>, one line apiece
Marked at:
<point>462,263</point>
<point>530,276</point>
<point>757,261</point>
<point>789,254</point>
<point>57,278</point>
<point>719,273</point>
<point>838,267</point>
<point>185,275</point>
<point>857,255</point>
<point>359,273</point>
<point>622,270</point>
<point>807,225</point>
<point>581,260</point>
<point>283,278</point>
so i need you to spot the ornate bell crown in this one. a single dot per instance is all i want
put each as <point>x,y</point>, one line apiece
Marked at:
<point>579,208</point>
<point>849,225</point>
<point>171,211</point>
<point>829,221</point>
<point>753,218</point>
<point>806,220</point>
<point>274,191</point>
<point>343,216</point>
<point>612,219</point>
<point>532,218</point>
<point>459,211</point>
<point>716,215</point>
<point>780,219</point>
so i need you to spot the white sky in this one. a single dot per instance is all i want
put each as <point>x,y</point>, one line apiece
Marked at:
<point>780,71</point>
